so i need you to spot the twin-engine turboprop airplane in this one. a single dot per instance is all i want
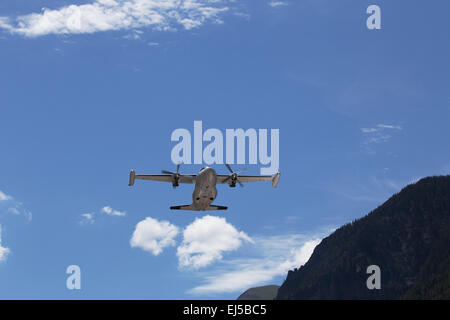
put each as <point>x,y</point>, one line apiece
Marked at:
<point>205,181</point>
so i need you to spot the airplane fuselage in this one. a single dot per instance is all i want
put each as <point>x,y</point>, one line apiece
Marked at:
<point>205,191</point>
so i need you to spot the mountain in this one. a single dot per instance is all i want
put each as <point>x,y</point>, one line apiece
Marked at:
<point>260,293</point>
<point>408,237</point>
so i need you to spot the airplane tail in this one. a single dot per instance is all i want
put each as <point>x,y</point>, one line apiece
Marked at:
<point>132,177</point>
<point>275,180</point>
<point>192,208</point>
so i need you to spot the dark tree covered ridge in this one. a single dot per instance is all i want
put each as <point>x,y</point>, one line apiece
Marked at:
<point>260,293</point>
<point>408,237</point>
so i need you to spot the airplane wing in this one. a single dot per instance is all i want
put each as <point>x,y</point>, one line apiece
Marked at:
<point>184,178</point>
<point>275,178</point>
<point>191,207</point>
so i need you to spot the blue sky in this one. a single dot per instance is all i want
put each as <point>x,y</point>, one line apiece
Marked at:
<point>91,89</point>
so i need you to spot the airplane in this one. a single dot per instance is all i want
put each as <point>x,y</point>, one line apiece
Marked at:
<point>205,181</point>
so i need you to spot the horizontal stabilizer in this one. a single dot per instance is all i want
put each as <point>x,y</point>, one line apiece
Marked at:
<point>192,208</point>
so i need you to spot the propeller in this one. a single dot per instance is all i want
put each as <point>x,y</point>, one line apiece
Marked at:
<point>175,175</point>
<point>233,176</point>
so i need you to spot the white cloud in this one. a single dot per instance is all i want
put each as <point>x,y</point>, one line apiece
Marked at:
<point>275,4</point>
<point>299,256</point>
<point>386,126</point>
<point>376,187</point>
<point>387,184</point>
<point>28,215</point>
<point>153,235</point>
<point>243,15</point>
<point>90,217</point>
<point>378,134</point>
<point>369,130</point>
<point>14,210</point>
<point>379,138</point>
<point>279,254</point>
<point>10,205</point>
<point>415,180</point>
<point>3,251</point>
<point>4,197</point>
<point>380,127</point>
<point>105,15</point>
<point>111,212</point>
<point>376,131</point>
<point>87,218</point>
<point>205,239</point>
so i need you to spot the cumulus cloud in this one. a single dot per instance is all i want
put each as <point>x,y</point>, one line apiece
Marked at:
<point>153,236</point>
<point>3,251</point>
<point>205,240</point>
<point>111,212</point>
<point>4,197</point>
<point>299,256</point>
<point>279,254</point>
<point>91,217</point>
<point>105,15</point>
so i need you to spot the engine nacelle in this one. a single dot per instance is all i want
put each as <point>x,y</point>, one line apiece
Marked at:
<point>176,179</point>
<point>233,180</point>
